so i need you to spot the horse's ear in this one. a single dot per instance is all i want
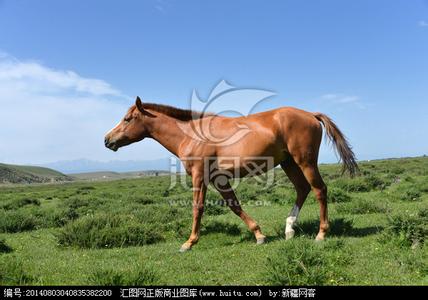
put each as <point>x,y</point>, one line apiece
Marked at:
<point>139,104</point>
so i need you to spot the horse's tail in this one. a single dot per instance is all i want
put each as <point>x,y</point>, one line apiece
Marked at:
<point>342,146</point>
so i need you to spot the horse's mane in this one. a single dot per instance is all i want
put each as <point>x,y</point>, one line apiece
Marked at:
<point>177,113</point>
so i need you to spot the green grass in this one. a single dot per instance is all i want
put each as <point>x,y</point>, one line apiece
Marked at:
<point>304,262</point>
<point>128,232</point>
<point>141,275</point>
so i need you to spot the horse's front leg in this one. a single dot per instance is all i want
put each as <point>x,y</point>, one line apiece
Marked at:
<point>199,190</point>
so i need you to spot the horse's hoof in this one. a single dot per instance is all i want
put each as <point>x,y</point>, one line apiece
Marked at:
<point>261,240</point>
<point>289,234</point>
<point>185,248</point>
<point>319,239</point>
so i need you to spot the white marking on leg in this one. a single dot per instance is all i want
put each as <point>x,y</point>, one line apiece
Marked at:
<point>291,220</point>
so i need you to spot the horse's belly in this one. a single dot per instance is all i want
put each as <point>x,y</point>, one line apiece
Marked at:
<point>249,163</point>
<point>250,152</point>
<point>253,154</point>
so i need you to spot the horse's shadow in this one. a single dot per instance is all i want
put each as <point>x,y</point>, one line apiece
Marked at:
<point>340,227</point>
<point>221,227</point>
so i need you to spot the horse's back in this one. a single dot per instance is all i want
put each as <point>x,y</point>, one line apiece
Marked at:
<point>293,131</point>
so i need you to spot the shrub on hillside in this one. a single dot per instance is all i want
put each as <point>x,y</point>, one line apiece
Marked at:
<point>409,190</point>
<point>12,272</point>
<point>144,200</point>
<point>108,231</point>
<point>215,209</point>
<point>410,229</point>
<point>277,195</point>
<point>60,217</point>
<point>362,183</point>
<point>17,203</point>
<point>363,206</point>
<point>16,221</point>
<point>172,221</point>
<point>337,195</point>
<point>411,194</point>
<point>246,192</point>
<point>214,205</point>
<point>4,248</point>
<point>84,190</point>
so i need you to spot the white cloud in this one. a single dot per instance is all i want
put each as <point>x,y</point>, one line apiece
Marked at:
<point>161,6</point>
<point>342,99</point>
<point>43,79</point>
<point>329,96</point>
<point>50,115</point>
<point>423,23</point>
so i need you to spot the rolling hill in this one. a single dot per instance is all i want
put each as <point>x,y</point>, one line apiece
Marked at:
<point>29,174</point>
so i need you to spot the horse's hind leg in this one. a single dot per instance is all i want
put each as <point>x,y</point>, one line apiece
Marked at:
<point>319,188</point>
<point>229,196</point>
<point>295,174</point>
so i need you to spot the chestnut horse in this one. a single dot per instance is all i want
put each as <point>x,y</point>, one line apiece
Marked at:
<point>290,137</point>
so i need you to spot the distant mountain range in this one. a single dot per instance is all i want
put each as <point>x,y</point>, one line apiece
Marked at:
<point>85,165</point>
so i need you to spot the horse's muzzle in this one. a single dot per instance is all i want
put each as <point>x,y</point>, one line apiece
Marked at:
<point>111,145</point>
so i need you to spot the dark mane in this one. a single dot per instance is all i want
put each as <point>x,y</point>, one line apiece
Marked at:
<point>177,113</point>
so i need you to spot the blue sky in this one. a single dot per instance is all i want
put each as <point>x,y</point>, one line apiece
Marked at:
<point>69,69</point>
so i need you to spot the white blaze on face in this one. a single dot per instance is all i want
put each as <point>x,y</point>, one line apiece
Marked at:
<point>291,220</point>
<point>117,125</point>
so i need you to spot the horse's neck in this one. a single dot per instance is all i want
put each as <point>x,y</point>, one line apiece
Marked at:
<point>166,131</point>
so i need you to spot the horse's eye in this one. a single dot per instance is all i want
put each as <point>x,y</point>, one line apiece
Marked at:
<point>127,120</point>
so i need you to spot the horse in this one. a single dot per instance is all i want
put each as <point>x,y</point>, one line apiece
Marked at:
<point>289,136</point>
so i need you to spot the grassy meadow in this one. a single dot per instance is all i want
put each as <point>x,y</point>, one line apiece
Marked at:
<point>129,231</point>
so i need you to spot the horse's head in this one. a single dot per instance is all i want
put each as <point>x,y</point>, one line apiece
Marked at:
<point>129,130</point>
